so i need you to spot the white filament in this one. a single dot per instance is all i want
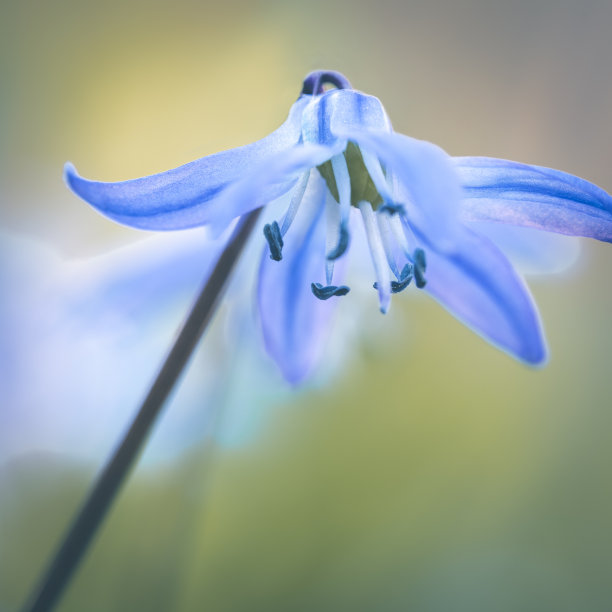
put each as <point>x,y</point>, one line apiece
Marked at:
<point>387,238</point>
<point>378,178</point>
<point>377,251</point>
<point>343,183</point>
<point>332,221</point>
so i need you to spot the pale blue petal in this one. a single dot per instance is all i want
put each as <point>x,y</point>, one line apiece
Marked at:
<point>295,323</point>
<point>286,167</point>
<point>533,196</point>
<point>331,115</point>
<point>479,286</point>
<point>182,197</point>
<point>531,251</point>
<point>426,181</point>
<point>81,339</point>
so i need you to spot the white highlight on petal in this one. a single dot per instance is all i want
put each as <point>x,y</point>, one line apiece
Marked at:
<point>379,258</point>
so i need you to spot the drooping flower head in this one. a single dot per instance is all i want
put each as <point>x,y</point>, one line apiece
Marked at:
<point>336,175</point>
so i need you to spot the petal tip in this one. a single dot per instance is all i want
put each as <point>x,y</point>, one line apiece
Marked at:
<point>69,172</point>
<point>539,357</point>
<point>71,177</point>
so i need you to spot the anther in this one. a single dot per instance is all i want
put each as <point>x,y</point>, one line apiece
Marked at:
<point>406,272</point>
<point>324,293</point>
<point>343,242</point>
<point>275,240</point>
<point>403,280</point>
<point>392,209</point>
<point>420,265</point>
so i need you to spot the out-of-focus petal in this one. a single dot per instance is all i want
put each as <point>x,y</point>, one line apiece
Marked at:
<point>533,196</point>
<point>479,286</point>
<point>295,323</point>
<point>531,251</point>
<point>81,339</point>
<point>182,197</point>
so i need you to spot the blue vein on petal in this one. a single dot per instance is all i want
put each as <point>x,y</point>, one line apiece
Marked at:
<point>72,176</point>
<point>583,192</point>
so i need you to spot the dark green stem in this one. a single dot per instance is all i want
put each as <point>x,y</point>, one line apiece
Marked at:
<point>92,513</point>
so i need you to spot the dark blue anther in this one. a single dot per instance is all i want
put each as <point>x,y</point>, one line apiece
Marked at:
<point>402,281</point>
<point>406,272</point>
<point>419,258</point>
<point>314,82</point>
<point>324,293</point>
<point>343,242</point>
<point>392,209</point>
<point>397,286</point>
<point>420,265</point>
<point>275,240</point>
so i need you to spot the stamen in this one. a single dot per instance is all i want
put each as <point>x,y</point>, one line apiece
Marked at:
<point>392,209</point>
<point>331,232</point>
<point>379,258</point>
<point>404,280</point>
<point>406,272</point>
<point>296,200</point>
<point>403,234</point>
<point>324,293</point>
<point>399,234</point>
<point>420,265</point>
<point>419,258</point>
<point>275,240</point>
<point>378,178</point>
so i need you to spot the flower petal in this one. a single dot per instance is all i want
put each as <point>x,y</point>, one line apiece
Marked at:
<point>284,168</point>
<point>479,286</point>
<point>426,181</point>
<point>533,196</point>
<point>295,323</point>
<point>342,110</point>
<point>70,371</point>
<point>531,251</point>
<point>181,198</point>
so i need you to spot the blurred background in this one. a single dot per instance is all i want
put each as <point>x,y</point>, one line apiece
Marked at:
<point>424,470</point>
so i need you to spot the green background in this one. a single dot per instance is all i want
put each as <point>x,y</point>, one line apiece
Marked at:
<point>431,473</point>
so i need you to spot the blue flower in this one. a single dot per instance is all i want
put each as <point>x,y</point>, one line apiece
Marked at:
<point>336,168</point>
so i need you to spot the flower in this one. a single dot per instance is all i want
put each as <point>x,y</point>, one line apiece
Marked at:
<point>336,168</point>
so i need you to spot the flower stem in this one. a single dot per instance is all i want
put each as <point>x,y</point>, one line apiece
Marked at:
<point>92,513</point>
